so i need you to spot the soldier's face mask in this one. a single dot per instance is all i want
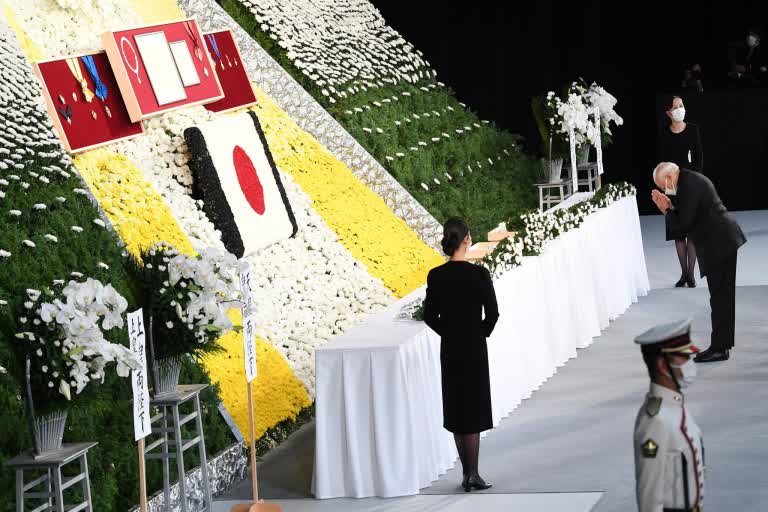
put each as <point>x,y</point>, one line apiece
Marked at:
<point>688,371</point>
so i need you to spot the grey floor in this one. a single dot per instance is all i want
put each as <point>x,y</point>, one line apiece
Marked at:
<point>568,448</point>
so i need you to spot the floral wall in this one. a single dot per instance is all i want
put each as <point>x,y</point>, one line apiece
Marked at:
<point>351,256</point>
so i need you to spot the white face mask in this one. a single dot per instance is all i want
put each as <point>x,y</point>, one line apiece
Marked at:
<point>669,188</point>
<point>689,373</point>
<point>678,114</point>
<point>751,41</point>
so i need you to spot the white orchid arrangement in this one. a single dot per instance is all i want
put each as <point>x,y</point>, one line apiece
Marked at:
<point>63,334</point>
<point>577,110</point>
<point>575,113</point>
<point>598,97</point>
<point>582,102</point>
<point>188,297</point>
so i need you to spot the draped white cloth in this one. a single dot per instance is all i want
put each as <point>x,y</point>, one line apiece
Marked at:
<point>379,401</point>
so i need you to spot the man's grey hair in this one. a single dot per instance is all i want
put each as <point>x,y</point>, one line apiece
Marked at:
<point>663,169</point>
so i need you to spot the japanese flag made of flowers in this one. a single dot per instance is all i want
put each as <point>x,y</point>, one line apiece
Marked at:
<point>239,184</point>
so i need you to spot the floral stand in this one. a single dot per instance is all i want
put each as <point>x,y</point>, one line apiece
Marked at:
<point>552,194</point>
<point>591,178</point>
<point>171,421</point>
<point>51,496</point>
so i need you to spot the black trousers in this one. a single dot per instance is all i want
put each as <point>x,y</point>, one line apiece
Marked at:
<point>721,281</point>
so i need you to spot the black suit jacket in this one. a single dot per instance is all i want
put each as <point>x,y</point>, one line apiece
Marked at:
<point>700,214</point>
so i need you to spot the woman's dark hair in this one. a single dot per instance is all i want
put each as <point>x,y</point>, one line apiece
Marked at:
<point>669,101</point>
<point>454,232</point>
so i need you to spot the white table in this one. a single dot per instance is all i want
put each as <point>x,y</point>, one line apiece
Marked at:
<point>379,404</point>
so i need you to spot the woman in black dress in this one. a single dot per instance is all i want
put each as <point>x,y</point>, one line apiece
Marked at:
<point>680,143</point>
<point>457,293</point>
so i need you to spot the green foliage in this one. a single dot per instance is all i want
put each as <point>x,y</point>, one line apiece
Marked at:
<point>484,195</point>
<point>554,144</point>
<point>106,418</point>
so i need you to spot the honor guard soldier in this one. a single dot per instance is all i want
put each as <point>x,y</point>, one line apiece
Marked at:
<point>669,451</point>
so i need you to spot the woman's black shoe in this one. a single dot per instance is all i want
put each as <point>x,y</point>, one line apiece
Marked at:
<point>682,281</point>
<point>476,483</point>
<point>691,281</point>
<point>464,483</point>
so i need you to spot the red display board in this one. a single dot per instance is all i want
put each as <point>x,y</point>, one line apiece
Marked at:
<point>225,54</point>
<point>138,71</point>
<point>90,124</point>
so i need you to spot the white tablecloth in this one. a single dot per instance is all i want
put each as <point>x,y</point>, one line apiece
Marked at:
<point>379,404</point>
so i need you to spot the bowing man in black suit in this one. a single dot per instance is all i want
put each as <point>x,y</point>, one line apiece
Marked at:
<point>696,210</point>
<point>457,294</point>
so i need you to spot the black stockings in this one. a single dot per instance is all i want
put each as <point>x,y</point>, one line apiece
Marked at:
<point>468,446</point>
<point>686,255</point>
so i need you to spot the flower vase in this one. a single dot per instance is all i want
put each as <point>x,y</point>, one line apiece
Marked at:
<point>48,431</point>
<point>582,153</point>
<point>165,372</point>
<point>552,169</point>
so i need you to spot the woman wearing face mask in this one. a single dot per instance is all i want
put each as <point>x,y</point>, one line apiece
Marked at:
<point>458,293</point>
<point>680,143</point>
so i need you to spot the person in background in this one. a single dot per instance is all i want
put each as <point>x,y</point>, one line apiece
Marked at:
<point>699,213</point>
<point>458,292</point>
<point>669,450</point>
<point>680,143</point>
<point>748,61</point>
<point>692,78</point>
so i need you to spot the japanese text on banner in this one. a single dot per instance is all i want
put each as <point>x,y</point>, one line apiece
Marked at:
<point>249,325</point>
<point>141,413</point>
<point>249,344</point>
<point>245,289</point>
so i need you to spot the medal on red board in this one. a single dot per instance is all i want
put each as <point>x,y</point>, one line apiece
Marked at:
<point>99,87</point>
<point>195,43</point>
<point>66,113</point>
<point>215,47</point>
<point>77,72</point>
